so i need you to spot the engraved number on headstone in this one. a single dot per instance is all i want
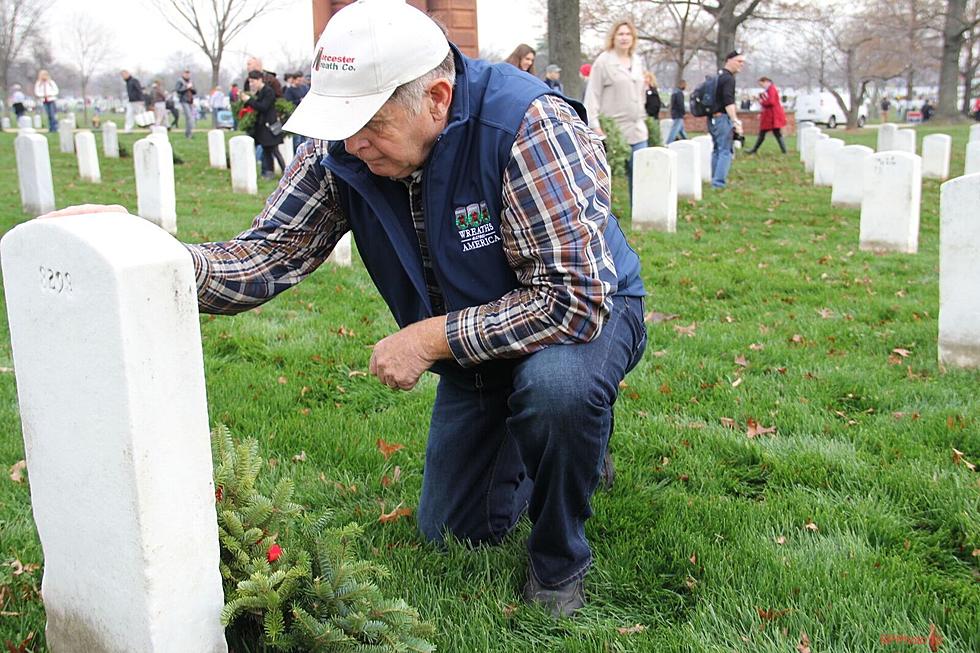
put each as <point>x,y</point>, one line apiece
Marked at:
<point>54,280</point>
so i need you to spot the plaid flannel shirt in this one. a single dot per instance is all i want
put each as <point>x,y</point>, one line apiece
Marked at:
<point>556,199</point>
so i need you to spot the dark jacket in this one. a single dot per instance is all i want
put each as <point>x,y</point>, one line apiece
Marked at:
<point>134,92</point>
<point>295,94</point>
<point>264,104</point>
<point>677,109</point>
<point>555,85</point>
<point>653,103</point>
<point>185,91</point>
<point>463,184</point>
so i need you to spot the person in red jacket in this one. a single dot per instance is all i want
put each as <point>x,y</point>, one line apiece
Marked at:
<point>773,118</point>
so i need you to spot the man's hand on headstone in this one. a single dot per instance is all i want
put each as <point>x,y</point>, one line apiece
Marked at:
<point>83,209</point>
<point>400,359</point>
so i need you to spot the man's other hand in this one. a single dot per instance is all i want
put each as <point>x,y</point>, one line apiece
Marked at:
<point>400,359</point>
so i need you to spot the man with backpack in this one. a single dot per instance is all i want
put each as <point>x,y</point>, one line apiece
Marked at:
<point>723,122</point>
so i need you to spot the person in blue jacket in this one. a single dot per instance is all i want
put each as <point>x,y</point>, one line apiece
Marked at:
<point>479,202</point>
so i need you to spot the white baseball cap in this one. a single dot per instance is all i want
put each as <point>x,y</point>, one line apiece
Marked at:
<point>367,50</point>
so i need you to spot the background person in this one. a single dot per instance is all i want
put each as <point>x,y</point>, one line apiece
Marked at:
<point>552,77</point>
<point>652,104</point>
<point>17,100</point>
<point>185,95</point>
<point>134,100</point>
<point>617,90</point>
<point>522,57</point>
<point>264,104</point>
<point>677,111</point>
<point>46,92</point>
<point>158,98</point>
<point>723,121</point>
<point>773,117</point>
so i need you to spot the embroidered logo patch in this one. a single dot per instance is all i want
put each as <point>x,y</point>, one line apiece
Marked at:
<point>474,226</point>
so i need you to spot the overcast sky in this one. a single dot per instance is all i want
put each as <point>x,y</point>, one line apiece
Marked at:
<point>142,40</point>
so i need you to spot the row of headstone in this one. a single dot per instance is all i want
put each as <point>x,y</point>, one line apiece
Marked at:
<point>156,198</point>
<point>824,160</point>
<point>654,201</point>
<point>689,155</point>
<point>34,173</point>
<point>243,175</point>
<point>974,133</point>
<point>88,157</point>
<point>850,162</point>
<point>110,140</point>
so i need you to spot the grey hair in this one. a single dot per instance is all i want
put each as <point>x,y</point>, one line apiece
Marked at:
<point>409,95</point>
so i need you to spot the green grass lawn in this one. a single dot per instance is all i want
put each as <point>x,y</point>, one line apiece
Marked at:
<point>851,522</point>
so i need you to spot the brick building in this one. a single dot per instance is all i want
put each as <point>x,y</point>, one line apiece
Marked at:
<point>458,15</point>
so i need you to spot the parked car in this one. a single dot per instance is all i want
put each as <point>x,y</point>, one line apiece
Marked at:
<point>822,108</point>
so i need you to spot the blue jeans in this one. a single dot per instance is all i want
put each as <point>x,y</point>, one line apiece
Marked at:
<point>676,129</point>
<point>189,117</point>
<point>629,165</point>
<point>529,435</point>
<point>51,110</point>
<point>722,138</point>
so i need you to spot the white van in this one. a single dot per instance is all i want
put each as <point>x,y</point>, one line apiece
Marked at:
<point>822,108</point>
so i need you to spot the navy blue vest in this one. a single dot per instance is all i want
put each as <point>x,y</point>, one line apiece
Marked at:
<point>461,185</point>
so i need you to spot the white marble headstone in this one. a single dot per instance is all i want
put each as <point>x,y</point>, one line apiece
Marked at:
<point>5,122</point>
<point>156,199</point>
<point>216,149</point>
<point>665,125</point>
<point>655,189</point>
<point>936,149</point>
<point>688,168</point>
<point>825,161</point>
<point>886,137</point>
<point>904,141</point>
<point>286,150</point>
<point>24,122</point>
<point>341,254</point>
<point>34,174</point>
<point>706,145</point>
<point>66,134</point>
<point>243,175</point>
<point>110,383</point>
<point>959,273</point>
<point>849,166</point>
<point>805,135</point>
<point>37,121</point>
<point>972,164</point>
<point>159,130</point>
<point>88,157</point>
<point>890,206</point>
<point>110,140</point>
<point>810,153</point>
<point>974,133</point>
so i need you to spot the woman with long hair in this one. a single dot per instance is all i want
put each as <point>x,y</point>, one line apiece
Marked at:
<point>617,90</point>
<point>523,58</point>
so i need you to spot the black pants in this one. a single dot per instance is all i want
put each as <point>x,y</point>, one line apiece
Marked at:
<point>762,136</point>
<point>269,151</point>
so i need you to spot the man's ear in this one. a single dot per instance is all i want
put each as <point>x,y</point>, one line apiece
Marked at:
<point>441,94</point>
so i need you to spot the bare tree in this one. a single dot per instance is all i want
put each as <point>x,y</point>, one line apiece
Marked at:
<point>87,45</point>
<point>212,24</point>
<point>564,42</point>
<point>729,15</point>
<point>916,24</point>
<point>970,60</point>
<point>20,22</point>
<point>956,26</point>
<point>849,50</point>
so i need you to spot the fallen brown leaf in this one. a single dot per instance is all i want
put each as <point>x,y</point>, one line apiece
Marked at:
<point>631,630</point>
<point>282,380</point>
<point>300,457</point>
<point>810,526</point>
<point>656,317</point>
<point>825,313</point>
<point>741,361</point>
<point>686,330</point>
<point>387,448</point>
<point>781,540</point>
<point>904,353</point>
<point>728,421</point>
<point>958,459</point>
<point>755,429</point>
<point>756,346</point>
<point>394,515</point>
<point>17,471</point>
<point>804,645</point>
